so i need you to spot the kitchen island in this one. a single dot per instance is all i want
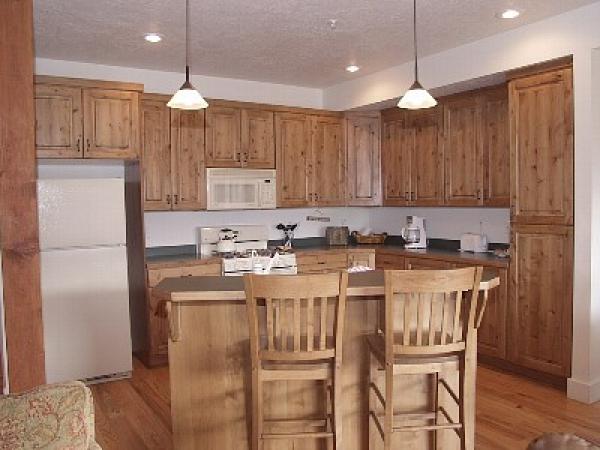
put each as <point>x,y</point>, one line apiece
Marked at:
<point>209,364</point>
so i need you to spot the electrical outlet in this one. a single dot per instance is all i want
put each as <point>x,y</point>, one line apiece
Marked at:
<point>318,219</point>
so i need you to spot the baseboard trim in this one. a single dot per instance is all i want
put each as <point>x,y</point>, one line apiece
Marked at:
<point>582,391</point>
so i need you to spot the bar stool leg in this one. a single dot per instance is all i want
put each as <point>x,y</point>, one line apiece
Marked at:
<point>468,396</point>
<point>389,406</point>
<point>436,405</point>
<point>257,410</point>
<point>329,405</point>
<point>337,406</point>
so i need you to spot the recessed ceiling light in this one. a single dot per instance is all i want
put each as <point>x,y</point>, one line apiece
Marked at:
<point>352,68</point>
<point>153,38</point>
<point>509,14</point>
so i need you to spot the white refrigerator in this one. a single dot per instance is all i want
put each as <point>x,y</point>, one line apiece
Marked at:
<point>85,292</point>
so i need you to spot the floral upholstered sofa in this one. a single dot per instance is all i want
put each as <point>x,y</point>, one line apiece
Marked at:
<point>52,417</point>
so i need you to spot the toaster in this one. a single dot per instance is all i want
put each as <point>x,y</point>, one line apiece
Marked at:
<point>473,242</point>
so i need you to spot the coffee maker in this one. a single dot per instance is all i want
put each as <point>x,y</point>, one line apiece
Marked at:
<point>414,232</point>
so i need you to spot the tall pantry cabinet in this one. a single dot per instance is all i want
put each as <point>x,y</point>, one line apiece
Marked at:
<point>541,133</point>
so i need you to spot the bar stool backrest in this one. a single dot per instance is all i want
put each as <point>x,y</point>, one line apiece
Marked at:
<point>296,317</point>
<point>430,312</point>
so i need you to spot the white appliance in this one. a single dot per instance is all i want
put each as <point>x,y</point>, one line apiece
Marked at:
<point>414,233</point>
<point>473,242</point>
<point>240,189</point>
<point>248,237</point>
<point>85,291</point>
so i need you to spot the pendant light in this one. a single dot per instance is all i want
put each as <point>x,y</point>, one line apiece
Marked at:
<point>187,97</point>
<point>417,96</point>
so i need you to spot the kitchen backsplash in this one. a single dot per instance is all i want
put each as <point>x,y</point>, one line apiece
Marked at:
<point>179,228</point>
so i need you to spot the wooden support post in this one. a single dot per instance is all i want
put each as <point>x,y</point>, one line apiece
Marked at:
<point>18,198</point>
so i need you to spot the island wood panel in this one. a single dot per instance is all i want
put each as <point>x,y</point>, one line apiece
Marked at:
<point>427,159</point>
<point>541,133</point>
<point>258,139</point>
<point>210,384</point>
<point>397,144</point>
<point>156,150</point>
<point>496,148</point>
<point>294,160</point>
<point>111,122</point>
<point>329,161</point>
<point>363,161</point>
<point>223,139</point>
<point>540,309</point>
<point>18,199</point>
<point>187,153</point>
<point>58,121</point>
<point>463,151</point>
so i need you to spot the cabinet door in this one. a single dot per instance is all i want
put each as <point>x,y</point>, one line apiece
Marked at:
<point>496,149</point>
<point>58,122</point>
<point>258,139</point>
<point>540,308</point>
<point>491,335</point>
<point>387,261</point>
<point>292,137</point>
<point>187,150</point>
<point>329,161</point>
<point>426,264</point>
<point>427,160</point>
<point>223,144</point>
<point>463,151</point>
<point>363,168</point>
<point>111,123</point>
<point>541,115</point>
<point>156,151</point>
<point>396,147</point>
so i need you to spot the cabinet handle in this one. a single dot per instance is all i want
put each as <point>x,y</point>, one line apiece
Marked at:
<point>406,196</point>
<point>168,199</point>
<point>79,145</point>
<point>88,143</point>
<point>176,197</point>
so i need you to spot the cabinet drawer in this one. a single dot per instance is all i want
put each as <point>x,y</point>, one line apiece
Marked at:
<point>427,264</point>
<point>390,262</point>
<point>157,275</point>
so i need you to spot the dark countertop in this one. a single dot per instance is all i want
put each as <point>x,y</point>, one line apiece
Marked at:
<point>186,255</point>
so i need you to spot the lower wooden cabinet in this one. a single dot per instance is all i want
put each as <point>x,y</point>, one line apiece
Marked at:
<point>426,264</point>
<point>358,258</point>
<point>157,339</point>
<point>540,309</point>
<point>321,262</point>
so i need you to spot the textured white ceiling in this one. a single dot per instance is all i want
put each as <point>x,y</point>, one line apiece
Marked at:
<point>280,41</point>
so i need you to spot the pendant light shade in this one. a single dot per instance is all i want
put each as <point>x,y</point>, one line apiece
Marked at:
<point>187,97</point>
<point>417,96</point>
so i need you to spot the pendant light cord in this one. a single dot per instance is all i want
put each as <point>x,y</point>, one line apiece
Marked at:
<point>187,40</point>
<point>415,39</point>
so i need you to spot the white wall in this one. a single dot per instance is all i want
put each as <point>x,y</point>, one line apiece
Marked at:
<point>168,82</point>
<point>179,228</point>
<point>574,33</point>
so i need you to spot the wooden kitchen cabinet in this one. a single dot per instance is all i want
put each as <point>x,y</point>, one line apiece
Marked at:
<point>361,258</point>
<point>412,158</point>
<point>237,137</point>
<point>58,121</point>
<point>492,333</point>
<point>173,156</point>
<point>87,119</point>
<point>311,160</point>
<point>389,261</point>
<point>321,262</point>
<point>328,151</point>
<point>363,168</point>
<point>541,145</point>
<point>294,166</point>
<point>156,351</point>
<point>156,153</point>
<point>426,264</point>
<point>540,307</point>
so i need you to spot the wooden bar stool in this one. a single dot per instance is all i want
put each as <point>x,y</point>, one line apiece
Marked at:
<point>296,328</point>
<point>427,329</point>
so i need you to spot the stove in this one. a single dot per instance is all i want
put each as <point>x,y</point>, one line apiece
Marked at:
<point>251,253</point>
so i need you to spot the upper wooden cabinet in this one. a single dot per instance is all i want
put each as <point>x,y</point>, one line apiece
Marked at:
<point>58,121</point>
<point>329,161</point>
<point>238,137</point>
<point>173,156</point>
<point>540,307</point>
<point>412,158</point>
<point>87,119</point>
<point>311,157</point>
<point>294,156</point>
<point>496,148</point>
<point>363,166</point>
<point>541,142</point>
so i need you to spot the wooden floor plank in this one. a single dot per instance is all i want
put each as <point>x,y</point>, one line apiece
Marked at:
<point>511,411</point>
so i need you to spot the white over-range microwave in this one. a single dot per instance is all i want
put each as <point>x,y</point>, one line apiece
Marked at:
<point>240,189</point>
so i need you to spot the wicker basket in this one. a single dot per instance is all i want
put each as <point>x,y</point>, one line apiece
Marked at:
<point>369,238</point>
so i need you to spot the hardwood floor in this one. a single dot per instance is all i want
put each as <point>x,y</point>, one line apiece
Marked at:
<point>511,411</point>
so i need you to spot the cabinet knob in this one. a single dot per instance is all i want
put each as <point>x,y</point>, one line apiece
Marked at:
<point>88,143</point>
<point>168,199</point>
<point>176,197</point>
<point>79,145</point>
